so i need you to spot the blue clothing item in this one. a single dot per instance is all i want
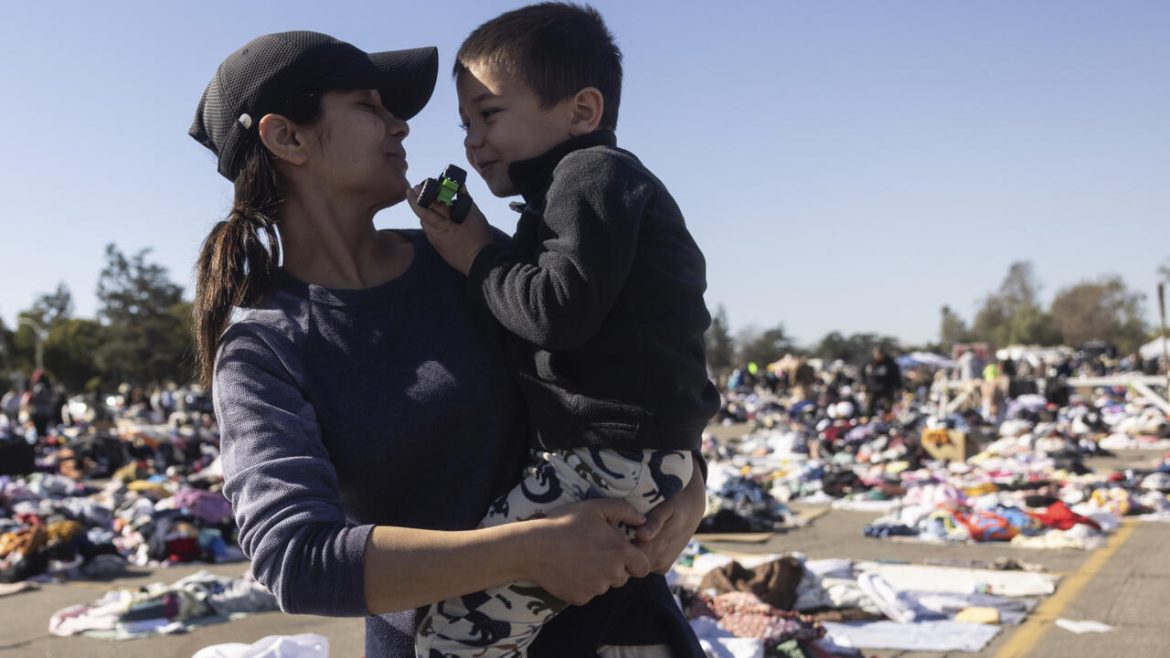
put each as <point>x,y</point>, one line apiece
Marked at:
<point>344,409</point>
<point>1018,518</point>
<point>883,530</point>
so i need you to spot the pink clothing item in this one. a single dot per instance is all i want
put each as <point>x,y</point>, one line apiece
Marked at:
<point>745,615</point>
<point>210,507</point>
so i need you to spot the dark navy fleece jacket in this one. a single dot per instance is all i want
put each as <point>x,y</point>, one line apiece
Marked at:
<point>602,292</point>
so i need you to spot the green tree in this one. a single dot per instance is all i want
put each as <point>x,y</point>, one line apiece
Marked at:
<point>148,337</point>
<point>764,348</point>
<point>53,307</point>
<point>29,330</point>
<point>1103,309</point>
<point>1031,325</point>
<point>855,349</point>
<point>6,346</point>
<point>36,324</point>
<point>720,345</point>
<point>70,352</point>
<point>952,329</point>
<point>1012,314</point>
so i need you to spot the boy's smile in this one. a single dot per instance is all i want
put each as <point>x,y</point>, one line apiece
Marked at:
<point>506,123</point>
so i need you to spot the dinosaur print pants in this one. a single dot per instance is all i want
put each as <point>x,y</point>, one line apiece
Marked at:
<point>502,622</point>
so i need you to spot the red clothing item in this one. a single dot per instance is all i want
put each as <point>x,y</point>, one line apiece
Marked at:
<point>1059,516</point>
<point>183,549</point>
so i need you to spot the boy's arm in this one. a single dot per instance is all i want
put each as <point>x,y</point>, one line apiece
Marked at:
<point>559,299</point>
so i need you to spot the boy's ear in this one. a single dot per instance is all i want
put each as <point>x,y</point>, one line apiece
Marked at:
<point>588,106</point>
<point>283,138</point>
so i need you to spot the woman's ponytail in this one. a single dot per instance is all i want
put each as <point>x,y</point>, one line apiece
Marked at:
<point>241,254</point>
<point>238,259</point>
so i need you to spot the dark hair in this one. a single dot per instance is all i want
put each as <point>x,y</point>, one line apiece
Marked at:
<point>556,48</point>
<point>241,254</point>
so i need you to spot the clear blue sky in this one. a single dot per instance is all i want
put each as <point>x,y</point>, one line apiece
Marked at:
<point>845,166</point>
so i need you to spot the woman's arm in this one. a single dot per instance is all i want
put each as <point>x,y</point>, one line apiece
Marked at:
<point>286,500</point>
<point>574,554</point>
<point>670,526</point>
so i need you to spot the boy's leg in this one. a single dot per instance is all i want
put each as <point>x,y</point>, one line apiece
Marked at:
<point>664,474</point>
<point>504,620</point>
<point>643,478</point>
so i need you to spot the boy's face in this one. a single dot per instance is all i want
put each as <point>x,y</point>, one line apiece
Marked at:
<point>506,123</point>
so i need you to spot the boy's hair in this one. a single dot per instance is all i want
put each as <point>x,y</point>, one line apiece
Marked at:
<point>556,48</point>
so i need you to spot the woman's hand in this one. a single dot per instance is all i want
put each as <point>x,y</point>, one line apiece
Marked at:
<point>670,526</point>
<point>579,553</point>
<point>458,244</point>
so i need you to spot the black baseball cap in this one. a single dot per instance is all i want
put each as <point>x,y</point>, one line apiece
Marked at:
<point>257,78</point>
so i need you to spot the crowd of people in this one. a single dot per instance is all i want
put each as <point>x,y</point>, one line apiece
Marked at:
<point>872,387</point>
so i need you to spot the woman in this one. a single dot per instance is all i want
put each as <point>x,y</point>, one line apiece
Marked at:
<point>366,417</point>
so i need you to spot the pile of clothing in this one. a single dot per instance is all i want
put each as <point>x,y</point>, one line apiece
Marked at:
<point>197,600</point>
<point>737,504</point>
<point>98,502</point>
<point>787,605</point>
<point>1023,481</point>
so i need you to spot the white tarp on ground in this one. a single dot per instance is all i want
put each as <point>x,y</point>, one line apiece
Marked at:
<point>912,577</point>
<point>921,636</point>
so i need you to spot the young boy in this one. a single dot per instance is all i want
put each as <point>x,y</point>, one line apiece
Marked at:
<point>601,289</point>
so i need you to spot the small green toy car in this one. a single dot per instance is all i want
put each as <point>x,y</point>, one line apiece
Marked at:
<point>445,190</point>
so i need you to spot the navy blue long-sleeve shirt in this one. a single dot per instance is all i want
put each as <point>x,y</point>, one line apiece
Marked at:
<point>344,409</point>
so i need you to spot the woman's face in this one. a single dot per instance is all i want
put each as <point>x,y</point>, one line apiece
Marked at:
<point>357,148</point>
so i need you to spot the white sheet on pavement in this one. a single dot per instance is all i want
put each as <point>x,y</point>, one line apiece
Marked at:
<point>918,578</point>
<point>921,636</point>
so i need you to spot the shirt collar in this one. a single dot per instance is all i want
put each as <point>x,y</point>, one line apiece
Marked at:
<point>533,176</point>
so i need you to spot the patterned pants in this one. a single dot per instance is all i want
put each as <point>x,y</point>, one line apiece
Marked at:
<point>502,622</point>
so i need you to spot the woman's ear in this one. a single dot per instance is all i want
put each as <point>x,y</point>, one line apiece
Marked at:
<point>283,139</point>
<point>588,106</point>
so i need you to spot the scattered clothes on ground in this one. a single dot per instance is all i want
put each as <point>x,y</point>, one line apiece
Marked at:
<point>1019,477</point>
<point>198,599</point>
<point>160,504</point>
<point>846,604</point>
<point>774,583</point>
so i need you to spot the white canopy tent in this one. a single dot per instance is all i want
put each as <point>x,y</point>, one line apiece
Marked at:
<point>928,359</point>
<point>1034,354</point>
<point>1152,349</point>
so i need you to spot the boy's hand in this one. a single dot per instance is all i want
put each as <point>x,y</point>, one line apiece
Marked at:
<point>458,244</point>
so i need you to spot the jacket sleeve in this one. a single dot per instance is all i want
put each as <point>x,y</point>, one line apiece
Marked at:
<point>282,486</point>
<point>559,299</point>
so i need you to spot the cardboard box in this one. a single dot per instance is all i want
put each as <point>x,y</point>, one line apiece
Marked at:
<point>948,445</point>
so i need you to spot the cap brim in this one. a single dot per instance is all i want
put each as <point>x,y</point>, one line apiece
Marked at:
<point>404,78</point>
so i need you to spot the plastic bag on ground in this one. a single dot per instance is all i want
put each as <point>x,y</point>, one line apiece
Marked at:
<point>305,645</point>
